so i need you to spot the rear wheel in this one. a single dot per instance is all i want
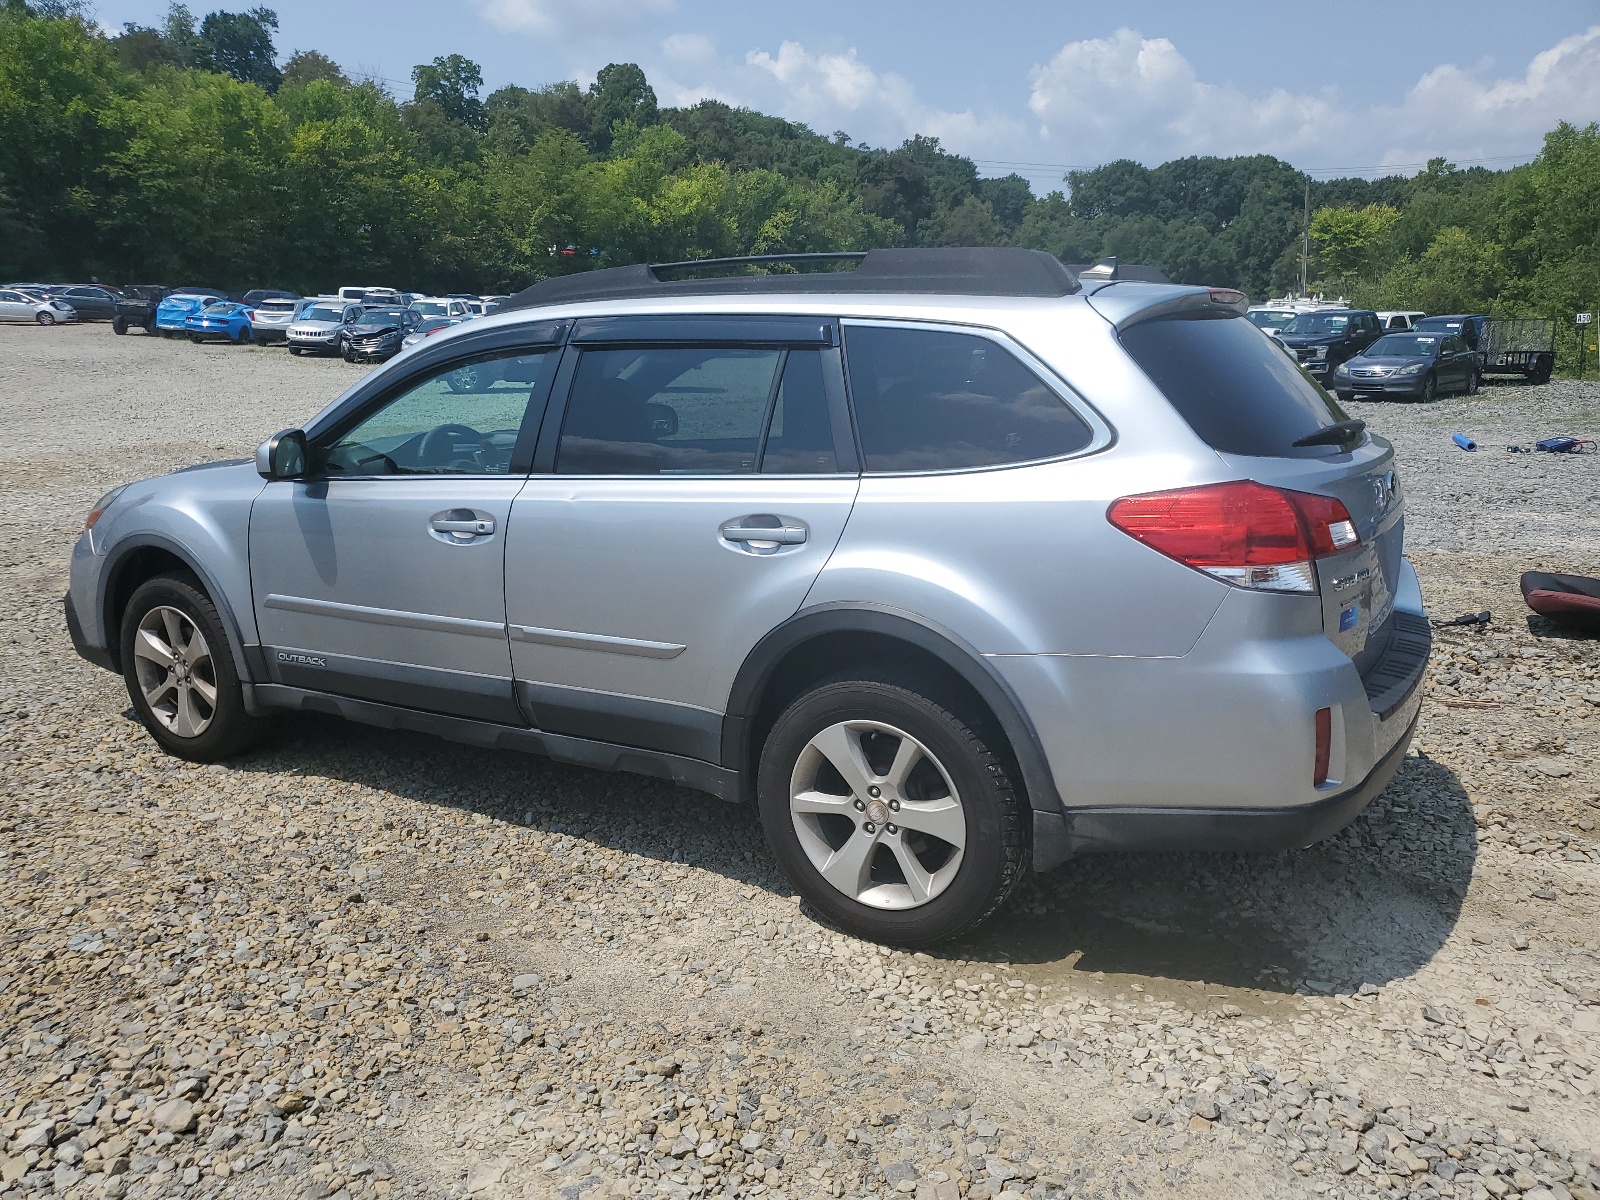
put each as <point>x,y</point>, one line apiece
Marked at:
<point>1345,397</point>
<point>118,326</point>
<point>45,318</point>
<point>1474,381</point>
<point>245,337</point>
<point>891,811</point>
<point>180,672</point>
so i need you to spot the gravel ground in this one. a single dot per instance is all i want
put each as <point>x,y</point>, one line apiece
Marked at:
<point>361,964</point>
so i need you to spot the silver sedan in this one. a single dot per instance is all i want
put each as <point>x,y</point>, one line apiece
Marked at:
<point>26,308</point>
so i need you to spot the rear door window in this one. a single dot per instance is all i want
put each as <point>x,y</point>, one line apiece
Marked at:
<point>934,400</point>
<point>702,410</point>
<point>1238,392</point>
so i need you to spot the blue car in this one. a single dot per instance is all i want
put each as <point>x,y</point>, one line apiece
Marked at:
<point>174,310</point>
<point>225,319</point>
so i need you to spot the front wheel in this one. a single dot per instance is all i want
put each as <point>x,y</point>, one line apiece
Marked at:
<point>1345,397</point>
<point>1430,388</point>
<point>180,672</point>
<point>347,354</point>
<point>1474,382</point>
<point>45,318</point>
<point>891,810</point>
<point>295,350</point>
<point>118,326</point>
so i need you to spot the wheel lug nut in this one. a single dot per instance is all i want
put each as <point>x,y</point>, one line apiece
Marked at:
<point>869,827</point>
<point>874,791</point>
<point>894,805</point>
<point>891,829</point>
<point>861,806</point>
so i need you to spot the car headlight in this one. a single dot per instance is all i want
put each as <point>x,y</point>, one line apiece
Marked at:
<point>1319,352</point>
<point>1413,369</point>
<point>1342,369</point>
<point>102,504</point>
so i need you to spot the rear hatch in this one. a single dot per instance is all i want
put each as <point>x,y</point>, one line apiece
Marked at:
<point>1251,402</point>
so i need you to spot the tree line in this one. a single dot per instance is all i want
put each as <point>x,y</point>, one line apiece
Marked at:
<point>191,152</point>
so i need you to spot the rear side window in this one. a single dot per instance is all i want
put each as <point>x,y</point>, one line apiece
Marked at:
<point>1240,393</point>
<point>697,411</point>
<point>928,400</point>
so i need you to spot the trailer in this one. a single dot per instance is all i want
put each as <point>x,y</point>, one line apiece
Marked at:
<point>1519,346</point>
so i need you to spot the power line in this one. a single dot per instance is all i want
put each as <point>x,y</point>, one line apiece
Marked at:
<point>1034,167</point>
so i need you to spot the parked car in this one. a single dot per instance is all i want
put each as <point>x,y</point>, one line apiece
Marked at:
<point>1269,318</point>
<point>376,295</point>
<point>376,334</point>
<point>91,301</point>
<point>21,306</point>
<point>493,304</point>
<point>175,308</point>
<point>255,297</point>
<point>426,328</point>
<point>226,320</point>
<point>1012,531</point>
<point>1414,365</point>
<point>1399,320</point>
<point>1505,345</point>
<point>271,318</point>
<point>1323,338</point>
<point>316,329</point>
<point>439,306</point>
<point>136,307</point>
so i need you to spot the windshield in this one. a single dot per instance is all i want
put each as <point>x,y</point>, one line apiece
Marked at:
<point>1269,318</point>
<point>1318,324</point>
<point>430,308</point>
<point>379,316</point>
<point>1404,345</point>
<point>219,306</point>
<point>323,313</point>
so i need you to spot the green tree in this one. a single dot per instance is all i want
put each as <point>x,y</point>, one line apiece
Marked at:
<point>452,83</point>
<point>305,66</point>
<point>240,45</point>
<point>620,92</point>
<point>1352,243</point>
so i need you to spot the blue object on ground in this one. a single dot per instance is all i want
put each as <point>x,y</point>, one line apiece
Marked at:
<point>1463,441</point>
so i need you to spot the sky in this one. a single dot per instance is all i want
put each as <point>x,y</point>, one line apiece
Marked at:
<point>1352,87</point>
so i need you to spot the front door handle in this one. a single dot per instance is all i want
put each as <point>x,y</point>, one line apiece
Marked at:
<point>476,527</point>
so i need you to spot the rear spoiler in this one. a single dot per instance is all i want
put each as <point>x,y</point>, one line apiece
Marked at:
<point>1125,304</point>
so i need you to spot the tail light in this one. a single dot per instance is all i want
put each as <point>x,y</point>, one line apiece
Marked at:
<point>1243,533</point>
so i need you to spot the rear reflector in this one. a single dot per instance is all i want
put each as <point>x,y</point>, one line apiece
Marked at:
<point>1319,773</point>
<point>1243,533</point>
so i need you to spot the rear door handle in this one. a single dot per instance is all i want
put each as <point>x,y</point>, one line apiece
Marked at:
<point>783,535</point>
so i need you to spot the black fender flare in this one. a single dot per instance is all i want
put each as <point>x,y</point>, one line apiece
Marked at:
<point>117,557</point>
<point>950,649</point>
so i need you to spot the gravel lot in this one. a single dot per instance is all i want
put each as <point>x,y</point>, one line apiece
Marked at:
<point>361,964</point>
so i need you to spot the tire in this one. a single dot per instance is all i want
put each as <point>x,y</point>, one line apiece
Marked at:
<point>469,378</point>
<point>1474,382</point>
<point>245,337</point>
<point>1430,389</point>
<point>150,326</point>
<point>949,757</point>
<point>196,338</point>
<point>173,608</point>
<point>119,326</point>
<point>45,318</point>
<point>347,354</point>
<point>295,350</point>
<point>1345,397</point>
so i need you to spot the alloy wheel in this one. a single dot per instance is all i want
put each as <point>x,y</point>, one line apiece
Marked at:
<point>47,318</point>
<point>877,815</point>
<point>176,675</point>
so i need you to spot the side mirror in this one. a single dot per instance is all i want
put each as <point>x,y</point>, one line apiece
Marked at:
<point>283,455</point>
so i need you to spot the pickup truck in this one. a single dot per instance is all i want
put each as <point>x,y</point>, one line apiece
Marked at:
<point>1323,338</point>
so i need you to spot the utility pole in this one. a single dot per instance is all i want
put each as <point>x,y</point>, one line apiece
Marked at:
<point>1305,245</point>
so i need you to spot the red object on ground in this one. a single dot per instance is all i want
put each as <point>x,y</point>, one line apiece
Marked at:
<point>1574,599</point>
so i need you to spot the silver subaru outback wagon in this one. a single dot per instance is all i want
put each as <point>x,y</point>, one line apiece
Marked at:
<point>953,562</point>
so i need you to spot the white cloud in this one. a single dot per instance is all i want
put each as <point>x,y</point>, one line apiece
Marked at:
<point>689,49</point>
<point>829,91</point>
<point>554,17</point>
<point>1129,96</point>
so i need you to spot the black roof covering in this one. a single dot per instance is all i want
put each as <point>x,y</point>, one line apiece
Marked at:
<point>961,271</point>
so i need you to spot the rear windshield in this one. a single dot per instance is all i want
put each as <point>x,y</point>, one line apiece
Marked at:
<point>1404,345</point>
<point>1439,324</point>
<point>1318,324</point>
<point>1235,386</point>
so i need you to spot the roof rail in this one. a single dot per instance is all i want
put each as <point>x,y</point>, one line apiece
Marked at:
<point>959,271</point>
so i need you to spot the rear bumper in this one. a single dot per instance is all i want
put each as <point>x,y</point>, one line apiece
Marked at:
<point>1092,830</point>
